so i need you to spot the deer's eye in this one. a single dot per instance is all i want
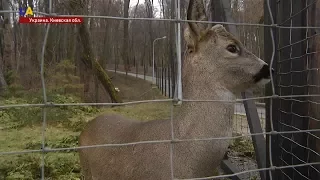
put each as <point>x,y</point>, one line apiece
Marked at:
<point>232,48</point>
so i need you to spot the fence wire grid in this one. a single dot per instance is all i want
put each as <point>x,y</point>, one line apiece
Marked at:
<point>298,69</point>
<point>289,125</point>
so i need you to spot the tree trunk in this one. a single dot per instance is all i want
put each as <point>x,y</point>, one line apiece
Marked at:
<point>149,8</point>
<point>3,83</point>
<point>88,56</point>
<point>172,48</point>
<point>125,36</point>
<point>91,63</point>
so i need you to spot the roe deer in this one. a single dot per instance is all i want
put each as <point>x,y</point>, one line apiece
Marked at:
<point>217,66</point>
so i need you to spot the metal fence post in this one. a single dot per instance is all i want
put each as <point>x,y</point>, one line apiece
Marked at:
<point>271,141</point>
<point>178,46</point>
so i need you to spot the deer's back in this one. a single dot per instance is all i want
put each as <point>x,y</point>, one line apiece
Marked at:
<point>140,161</point>
<point>143,161</point>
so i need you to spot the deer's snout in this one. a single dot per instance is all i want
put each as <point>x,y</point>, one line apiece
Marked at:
<point>264,73</point>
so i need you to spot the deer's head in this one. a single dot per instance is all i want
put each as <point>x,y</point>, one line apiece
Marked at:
<point>217,55</point>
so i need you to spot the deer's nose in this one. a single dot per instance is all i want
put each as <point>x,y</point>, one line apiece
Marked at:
<point>264,73</point>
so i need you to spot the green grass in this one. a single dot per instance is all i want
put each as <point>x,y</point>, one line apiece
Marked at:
<point>27,136</point>
<point>243,147</point>
<point>30,137</point>
<point>143,112</point>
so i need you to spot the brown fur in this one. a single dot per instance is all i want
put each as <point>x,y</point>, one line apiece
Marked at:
<point>209,72</point>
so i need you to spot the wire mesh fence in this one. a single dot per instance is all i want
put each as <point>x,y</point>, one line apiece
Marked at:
<point>297,66</point>
<point>292,122</point>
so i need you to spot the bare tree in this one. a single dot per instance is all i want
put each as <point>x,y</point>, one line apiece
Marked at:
<point>125,35</point>
<point>3,22</point>
<point>88,57</point>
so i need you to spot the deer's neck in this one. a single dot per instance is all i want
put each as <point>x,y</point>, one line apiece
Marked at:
<point>205,119</point>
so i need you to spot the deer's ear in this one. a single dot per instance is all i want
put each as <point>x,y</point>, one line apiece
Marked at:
<point>218,28</point>
<point>194,31</point>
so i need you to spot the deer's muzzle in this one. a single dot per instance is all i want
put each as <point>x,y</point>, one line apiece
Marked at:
<point>264,73</point>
